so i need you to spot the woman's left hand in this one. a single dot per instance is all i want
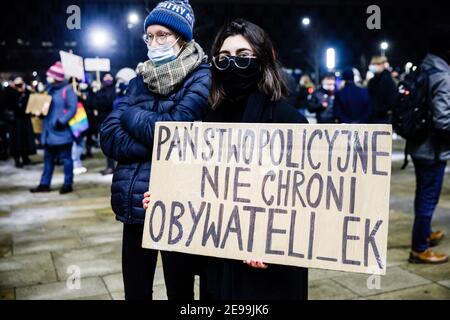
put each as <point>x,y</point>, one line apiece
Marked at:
<point>258,264</point>
<point>146,200</point>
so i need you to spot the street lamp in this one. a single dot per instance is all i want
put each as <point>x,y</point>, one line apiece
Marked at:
<point>306,21</point>
<point>315,41</point>
<point>133,19</point>
<point>331,58</point>
<point>384,46</point>
<point>99,38</point>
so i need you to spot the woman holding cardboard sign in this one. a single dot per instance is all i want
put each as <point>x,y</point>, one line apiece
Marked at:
<point>247,87</point>
<point>173,85</point>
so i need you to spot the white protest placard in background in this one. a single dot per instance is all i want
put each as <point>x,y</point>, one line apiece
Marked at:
<point>72,65</point>
<point>97,64</point>
<point>314,196</point>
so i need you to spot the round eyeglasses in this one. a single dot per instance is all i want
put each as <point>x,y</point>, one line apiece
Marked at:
<point>223,62</point>
<point>160,38</point>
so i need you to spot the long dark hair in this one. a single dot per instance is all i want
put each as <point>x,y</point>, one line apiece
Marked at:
<point>272,83</point>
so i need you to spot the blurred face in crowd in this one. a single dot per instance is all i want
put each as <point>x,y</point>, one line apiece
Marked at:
<point>19,84</point>
<point>395,74</point>
<point>95,86</point>
<point>329,84</point>
<point>305,80</point>
<point>356,76</point>
<point>378,66</point>
<point>83,86</point>
<point>52,81</point>
<point>40,87</point>
<point>108,79</point>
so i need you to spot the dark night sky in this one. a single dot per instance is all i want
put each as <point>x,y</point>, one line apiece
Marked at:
<point>341,24</point>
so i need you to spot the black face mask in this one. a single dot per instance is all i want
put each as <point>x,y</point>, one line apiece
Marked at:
<point>238,82</point>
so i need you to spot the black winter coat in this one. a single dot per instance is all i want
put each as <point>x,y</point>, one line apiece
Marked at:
<point>20,127</point>
<point>321,102</point>
<point>382,95</point>
<point>226,279</point>
<point>352,104</point>
<point>103,102</point>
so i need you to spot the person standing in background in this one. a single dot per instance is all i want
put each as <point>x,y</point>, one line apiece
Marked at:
<point>382,91</point>
<point>22,144</point>
<point>305,89</point>
<point>123,78</point>
<point>352,102</point>
<point>56,137</point>
<point>431,152</point>
<point>321,101</point>
<point>103,105</point>
<point>79,142</point>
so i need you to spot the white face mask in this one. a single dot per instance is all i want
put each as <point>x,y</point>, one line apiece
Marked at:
<point>83,86</point>
<point>162,55</point>
<point>328,87</point>
<point>40,87</point>
<point>50,80</point>
<point>375,69</point>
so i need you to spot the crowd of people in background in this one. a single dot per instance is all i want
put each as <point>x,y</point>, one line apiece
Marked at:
<point>341,97</point>
<point>22,134</point>
<point>344,97</point>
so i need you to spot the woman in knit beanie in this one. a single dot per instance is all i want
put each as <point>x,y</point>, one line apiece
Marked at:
<point>56,136</point>
<point>173,85</point>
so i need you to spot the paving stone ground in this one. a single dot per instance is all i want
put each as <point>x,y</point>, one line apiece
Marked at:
<point>45,237</point>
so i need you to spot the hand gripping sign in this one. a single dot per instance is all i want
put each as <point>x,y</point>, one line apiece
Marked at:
<point>314,196</point>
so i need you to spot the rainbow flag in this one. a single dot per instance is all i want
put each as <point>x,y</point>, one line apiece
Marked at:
<point>79,123</point>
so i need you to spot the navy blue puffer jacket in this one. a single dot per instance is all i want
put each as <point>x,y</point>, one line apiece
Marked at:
<point>127,134</point>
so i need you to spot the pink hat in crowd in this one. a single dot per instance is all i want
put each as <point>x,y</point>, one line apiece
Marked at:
<point>56,71</point>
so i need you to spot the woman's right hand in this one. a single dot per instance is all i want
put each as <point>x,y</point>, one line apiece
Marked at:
<point>255,263</point>
<point>146,200</point>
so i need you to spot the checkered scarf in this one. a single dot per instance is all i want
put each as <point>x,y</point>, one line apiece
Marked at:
<point>165,78</point>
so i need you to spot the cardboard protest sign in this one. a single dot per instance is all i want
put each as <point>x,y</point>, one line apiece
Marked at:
<point>313,196</point>
<point>36,123</point>
<point>72,65</point>
<point>38,104</point>
<point>96,64</point>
